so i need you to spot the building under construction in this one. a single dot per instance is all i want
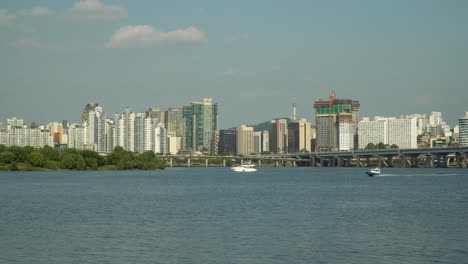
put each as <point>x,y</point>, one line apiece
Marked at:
<point>336,123</point>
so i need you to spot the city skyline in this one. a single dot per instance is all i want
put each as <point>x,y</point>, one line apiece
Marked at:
<point>395,57</point>
<point>79,119</point>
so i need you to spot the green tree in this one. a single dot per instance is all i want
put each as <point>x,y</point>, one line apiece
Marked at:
<point>73,161</point>
<point>21,153</point>
<point>7,157</point>
<point>50,153</point>
<point>394,146</point>
<point>92,159</point>
<point>119,155</point>
<point>370,146</point>
<point>381,145</point>
<point>147,156</point>
<point>36,159</point>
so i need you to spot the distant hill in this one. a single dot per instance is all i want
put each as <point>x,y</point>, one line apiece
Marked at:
<point>265,125</point>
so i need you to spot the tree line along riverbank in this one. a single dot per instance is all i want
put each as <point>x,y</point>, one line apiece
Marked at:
<point>47,158</point>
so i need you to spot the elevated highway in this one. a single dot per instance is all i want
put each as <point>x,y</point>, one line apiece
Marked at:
<point>428,157</point>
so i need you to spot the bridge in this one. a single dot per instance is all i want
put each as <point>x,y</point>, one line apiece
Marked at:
<point>427,157</point>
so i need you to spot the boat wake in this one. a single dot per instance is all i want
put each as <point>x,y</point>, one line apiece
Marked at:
<point>416,175</point>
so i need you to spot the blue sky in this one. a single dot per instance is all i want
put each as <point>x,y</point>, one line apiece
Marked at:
<point>252,57</point>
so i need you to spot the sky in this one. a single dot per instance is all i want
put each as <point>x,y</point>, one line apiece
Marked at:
<point>396,57</point>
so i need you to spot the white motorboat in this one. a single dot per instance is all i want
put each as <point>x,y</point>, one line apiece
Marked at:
<point>374,172</point>
<point>247,167</point>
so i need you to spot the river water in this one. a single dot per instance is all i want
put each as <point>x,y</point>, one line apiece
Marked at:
<point>212,215</point>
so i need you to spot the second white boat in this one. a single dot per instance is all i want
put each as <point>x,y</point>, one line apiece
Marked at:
<point>244,168</point>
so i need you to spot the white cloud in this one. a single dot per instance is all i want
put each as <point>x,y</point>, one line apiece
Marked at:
<point>147,36</point>
<point>5,18</point>
<point>231,73</point>
<point>90,10</point>
<point>38,11</point>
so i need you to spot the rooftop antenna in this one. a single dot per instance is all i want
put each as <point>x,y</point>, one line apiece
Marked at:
<point>294,109</point>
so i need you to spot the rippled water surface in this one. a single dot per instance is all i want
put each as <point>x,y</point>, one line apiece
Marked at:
<point>212,215</point>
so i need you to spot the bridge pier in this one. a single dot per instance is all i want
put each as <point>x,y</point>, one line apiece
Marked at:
<point>188,162</point>
<point>445,163</point>
<point>430,161</point>
<point>259,163</point>
<point>464,162</point>
<point>206,163</point>
<point>402,161</point>
<point>170,162</point>
<point>379,161</point>
<point>358,161</point>
<point>224,162</point>
<point>276,163</point>
<point>415,161</point>
<point>312,162</point>
<point>390,161</point>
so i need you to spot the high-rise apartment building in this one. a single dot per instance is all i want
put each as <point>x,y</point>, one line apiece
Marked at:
<point>124,134</point>
<point>143,133</point>
<point>463,130</point>
<point>109,131</point>
<point>402,132</point>
<point>374,132</point>
<point>160,137</point>
<point>88,108</point>
<point>15,122</point>
<point>201,122</point>
<point>299,136</point>
<point>77,136</point>
<point>332,114</point>
<point>94,119</point>
<point>245,140</point>
<point>265,141</point>
<point>278,136</point>
<point>56,131</point>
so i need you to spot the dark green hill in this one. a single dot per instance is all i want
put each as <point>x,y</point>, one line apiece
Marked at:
<point>264,125</point>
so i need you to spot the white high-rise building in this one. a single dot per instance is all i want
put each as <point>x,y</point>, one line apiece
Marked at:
<point>100,130</point>
<point>143,133</point>
<point>109,131</point>
<point>374,132</point>
<point>265,141</point>
<point>15,122</point>
<point>245,140</point>
<point>160,137</point>
<point>346,134</point>
<point>402,132</point>
<point>435,118</point>
<point>77,136</point>
<point>463,130</point>
<point>22,136</point>
<point>124,135</point>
